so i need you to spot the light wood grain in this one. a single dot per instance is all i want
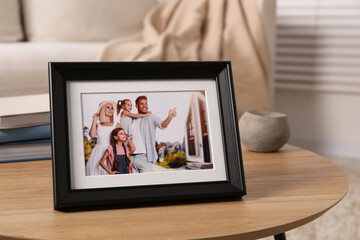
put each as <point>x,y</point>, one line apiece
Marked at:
<point>286,189</point>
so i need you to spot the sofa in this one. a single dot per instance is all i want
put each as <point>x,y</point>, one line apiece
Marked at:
<point>35,32</point>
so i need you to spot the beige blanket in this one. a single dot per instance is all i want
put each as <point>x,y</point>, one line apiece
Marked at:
<point>209,30</point>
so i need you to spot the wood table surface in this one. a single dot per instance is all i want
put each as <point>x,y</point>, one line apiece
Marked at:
<point>286,189</point>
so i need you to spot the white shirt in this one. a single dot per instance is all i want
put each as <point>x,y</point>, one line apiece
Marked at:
<point>137,138</point>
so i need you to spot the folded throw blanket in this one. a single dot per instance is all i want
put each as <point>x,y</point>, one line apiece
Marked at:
<point>204,30</point>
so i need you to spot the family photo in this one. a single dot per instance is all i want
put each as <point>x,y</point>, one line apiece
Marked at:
<point>145,132</point>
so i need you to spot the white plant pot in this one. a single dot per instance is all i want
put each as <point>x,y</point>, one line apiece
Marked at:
<point>262,131</point>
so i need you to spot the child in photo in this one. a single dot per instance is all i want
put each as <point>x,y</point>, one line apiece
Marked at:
<point>126,118</point>
<point>118,154</point>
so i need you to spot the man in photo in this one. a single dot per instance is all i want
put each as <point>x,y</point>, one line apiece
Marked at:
<point>144,136</point>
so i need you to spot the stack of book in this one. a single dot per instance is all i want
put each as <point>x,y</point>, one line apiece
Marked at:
<point>25,132</point>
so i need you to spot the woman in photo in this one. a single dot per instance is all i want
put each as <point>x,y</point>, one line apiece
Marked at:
<point>118,154</point>
<point>102,125</point>
<point>126,118</point>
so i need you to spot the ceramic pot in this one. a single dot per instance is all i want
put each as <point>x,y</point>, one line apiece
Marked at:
<point>262,131</point>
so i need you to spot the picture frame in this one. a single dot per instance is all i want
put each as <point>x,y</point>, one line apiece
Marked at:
<point>76,89</point>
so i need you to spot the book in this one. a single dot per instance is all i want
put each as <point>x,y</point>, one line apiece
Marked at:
<point>25,152</point>
<point>25,133</point>
<point>24,120</point>
<point>24,111</point>
<point>25,128</point>
<point>48,140</point>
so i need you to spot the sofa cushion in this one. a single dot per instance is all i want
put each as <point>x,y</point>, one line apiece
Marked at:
<point>10,21</point>
<point>83,20</point>
<point>24,65</point>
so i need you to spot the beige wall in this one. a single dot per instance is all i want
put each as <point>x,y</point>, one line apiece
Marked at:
<point>326,121</point>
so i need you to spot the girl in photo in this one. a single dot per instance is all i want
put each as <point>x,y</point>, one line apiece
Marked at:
<point>102,125</point>
<point>126,118</point>
<point>118,154</point>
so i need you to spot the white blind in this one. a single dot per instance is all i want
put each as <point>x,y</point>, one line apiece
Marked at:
<point>318,42</point>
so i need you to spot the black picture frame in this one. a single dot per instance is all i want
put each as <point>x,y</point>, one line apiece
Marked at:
<point>60,73</point>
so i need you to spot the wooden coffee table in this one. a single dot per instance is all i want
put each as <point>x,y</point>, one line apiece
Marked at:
<point>286,190</point>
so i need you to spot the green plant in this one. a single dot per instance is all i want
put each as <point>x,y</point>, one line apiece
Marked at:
<point>89,147</point>
<point>176,160</point>
<point>163,164</point>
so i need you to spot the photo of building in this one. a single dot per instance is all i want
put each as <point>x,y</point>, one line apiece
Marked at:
<point>196,138</point>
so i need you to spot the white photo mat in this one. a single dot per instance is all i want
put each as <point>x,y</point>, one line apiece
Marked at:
<point>76,144</point>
